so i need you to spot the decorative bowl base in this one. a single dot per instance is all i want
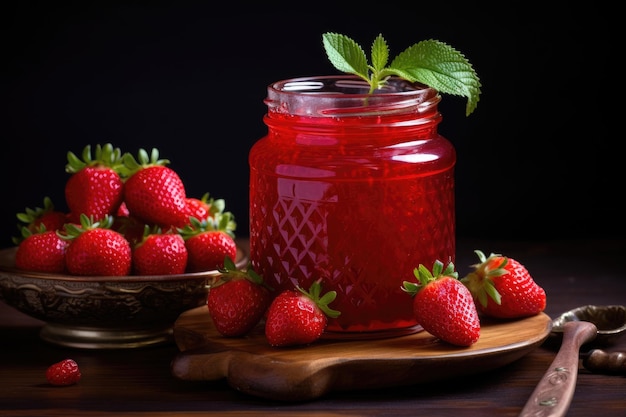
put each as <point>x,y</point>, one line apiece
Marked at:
<point>94,338</point>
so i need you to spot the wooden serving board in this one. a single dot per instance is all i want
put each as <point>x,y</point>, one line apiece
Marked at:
<point>251,365</point>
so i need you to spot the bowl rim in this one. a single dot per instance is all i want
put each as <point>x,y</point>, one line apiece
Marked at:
<point>7,266</point>
<point>616,314</point>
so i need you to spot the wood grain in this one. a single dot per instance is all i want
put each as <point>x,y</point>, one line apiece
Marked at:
<point>251,365</point>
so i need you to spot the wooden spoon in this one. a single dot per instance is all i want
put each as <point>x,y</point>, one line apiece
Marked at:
<point>554,393</point>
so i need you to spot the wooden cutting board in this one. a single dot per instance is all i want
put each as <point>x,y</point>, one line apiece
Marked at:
<point>251,365</point>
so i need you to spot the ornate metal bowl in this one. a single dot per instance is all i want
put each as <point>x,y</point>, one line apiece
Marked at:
<point>610,321</point>
<point>104,312</point>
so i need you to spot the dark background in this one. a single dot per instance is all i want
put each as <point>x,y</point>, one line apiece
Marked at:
<point>540,158</point>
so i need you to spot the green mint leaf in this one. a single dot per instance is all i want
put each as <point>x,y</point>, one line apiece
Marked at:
<point>441,67</point>
<point>431,62</point>
<point>380,53</point>
<point>346,55</point>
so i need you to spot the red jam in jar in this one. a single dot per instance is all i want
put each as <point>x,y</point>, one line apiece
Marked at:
<point>355,189</point>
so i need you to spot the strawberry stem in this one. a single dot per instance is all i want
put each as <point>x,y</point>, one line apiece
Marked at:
<point>480,281</point>
<point>322,301</point>
<point>425,276</point>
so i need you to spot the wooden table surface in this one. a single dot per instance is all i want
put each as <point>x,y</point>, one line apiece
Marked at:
<point>139,382</point>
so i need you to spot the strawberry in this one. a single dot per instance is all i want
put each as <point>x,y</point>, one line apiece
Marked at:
<point>299,317</point>
<point>63,373</point>
<point>153,192</point>
<point>200,208</point>
<point>95,187</point>
<point>503,288</point>
<point>47,215</point>
<point>443,306</point>
<point>122,211</point>
<point>206,208</point>
<point>208,249</point>
<point>237,300</point>
<point>42,251</point>
<point>95,249</point>
<point>159,253</point>
<point>208,242</point>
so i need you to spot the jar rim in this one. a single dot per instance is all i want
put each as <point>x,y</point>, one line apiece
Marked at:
<point>340,95</point>
<point>347,85</point>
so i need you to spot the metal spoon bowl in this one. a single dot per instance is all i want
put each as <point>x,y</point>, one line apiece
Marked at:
<point>609,320</point>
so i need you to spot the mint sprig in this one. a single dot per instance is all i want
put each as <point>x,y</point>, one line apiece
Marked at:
<point>430,62</point>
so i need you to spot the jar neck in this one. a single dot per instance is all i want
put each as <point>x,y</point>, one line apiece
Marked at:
<point>346,101</point>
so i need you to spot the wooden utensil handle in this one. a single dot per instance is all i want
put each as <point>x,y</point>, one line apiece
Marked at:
<point>555,390</point>
<point>609,363</point>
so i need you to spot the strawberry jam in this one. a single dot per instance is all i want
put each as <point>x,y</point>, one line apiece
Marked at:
<point>355,189</point>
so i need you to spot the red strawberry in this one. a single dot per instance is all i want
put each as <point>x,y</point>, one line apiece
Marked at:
<point>42,251</point>
<point>95,187</point>
<point>153,192</point>
<point>200,208</point>
<point>159,254</point>
<point>206,208</point>
<point>299,317</point>
<point>443,306</point>
<point>95,249</point>
<point>63,373</point>
<point>503,288</point>
<point>207,245</point>
<point>122,211</point>
<point>208,249</point>
<point>46,215</point>
<point>237,300</point>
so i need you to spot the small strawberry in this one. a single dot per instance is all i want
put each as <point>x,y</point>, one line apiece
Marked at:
<point>208,243</point>
<point>206,208</point>
<point>200,208</point>
<point>122,211</point>
<point>503,288</point>
<point>95,187</point>
<point>63,373</point>
<point>47,215</point>
<point>159,253</point>
<point>153,192</point>
<point>95,249</point>
<point>237,300</point>
<point>42,251</point>
<point>299,317</point>
<point>443,306</point>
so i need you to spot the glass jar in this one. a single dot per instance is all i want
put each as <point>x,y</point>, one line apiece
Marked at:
<point>355,189</point>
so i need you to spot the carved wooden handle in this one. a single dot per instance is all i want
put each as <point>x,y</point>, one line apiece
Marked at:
<point>554,393</point>
<point>608,363</point>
